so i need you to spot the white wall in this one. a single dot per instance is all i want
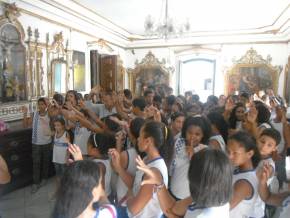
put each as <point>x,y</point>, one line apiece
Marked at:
<point>223,54</point>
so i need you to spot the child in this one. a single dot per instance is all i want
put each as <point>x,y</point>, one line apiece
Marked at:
<point>267,145</point>
<point>81,193</point>
<point>125,166</point>
<point>157,142</point>
<point>41,143</point>
<point>219,131</point>
<point>61,140</point>
<point>196,130</point>
<point>280,199</point>
<point>177,120</point>
<point>244,155</point>
<point>210,184</point>
<point>98,147</point>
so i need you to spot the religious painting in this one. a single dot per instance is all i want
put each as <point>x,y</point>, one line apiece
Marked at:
<point>287,82</point>
<point>251,74</point>
<point>79,71</point>
<point>150,72</point>
<point>59,69</point>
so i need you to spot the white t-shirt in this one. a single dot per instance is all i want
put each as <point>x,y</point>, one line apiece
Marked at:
<point>246,208</point>
<point>41,132</point>
<point>101,110</point>
<point>179,169</point>
<point>212,212</point>
<point>60,149</point>
<point>81,136</point>
<point>106,211</point>
<point>152,209</point>
<point>131,169</point>
<point>108,174</point>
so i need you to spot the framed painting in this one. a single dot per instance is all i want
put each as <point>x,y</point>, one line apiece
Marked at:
<point>287,82</point>
<point>79,71</point>
<point>251,74</point>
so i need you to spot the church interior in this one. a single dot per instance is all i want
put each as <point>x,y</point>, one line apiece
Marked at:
<point>144,108</point>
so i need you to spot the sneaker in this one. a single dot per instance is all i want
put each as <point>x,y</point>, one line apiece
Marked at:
<point>34,188</point>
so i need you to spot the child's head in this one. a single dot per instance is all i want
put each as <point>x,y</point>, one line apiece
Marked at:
<point>111,125</point>
<point>135,127</point>
<point>58,98</point>
<point>107,98</point>
<point>79,186</point>
<point>41,103</point>
<point>268,141</point>
<point>100,143</point>
<point>72,97</point>
<point>196,130</point>
<point>264,113</point>
<point>237,114</point>
<point>139,104</point>
<point>177,120</point>
<point>242,148</point>
<point>210,178</point>
<point>218,123</point>
<point>59,124</point>
<point>156,134</point>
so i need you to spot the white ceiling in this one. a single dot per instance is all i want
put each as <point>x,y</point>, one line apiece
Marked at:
<point>204,15</point>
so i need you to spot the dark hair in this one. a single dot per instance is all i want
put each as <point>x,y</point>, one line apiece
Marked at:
<point>212,99</point>
<point>110,124</point>
<point>245,95</point>
<point>58,98</point>
<point>219,122</point>
<point>273,133</point>
<point>162,137</point>
<point>233,119</point>
<point>157,98</point>
<point>59,119</point>
<point>80,96</point>
<point>195,98</point>
<point>41,100</point>
<point>170,100</point>
<point>148,91</point>
<point>136,125</point>
<point>210,178</point>
<point>249,143</point>
<point>263,113</point>
<point>72,92</point>
<point>102,141</point>
<point>175,115</point>
<point>127,93</point>
<point>140,103</point>
<point>199,121</point>
<point>75,191</point>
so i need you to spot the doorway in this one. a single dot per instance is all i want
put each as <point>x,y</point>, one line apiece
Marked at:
<point>197,75</point>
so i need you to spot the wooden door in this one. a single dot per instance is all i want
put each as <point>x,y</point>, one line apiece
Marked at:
<point>108,72</point>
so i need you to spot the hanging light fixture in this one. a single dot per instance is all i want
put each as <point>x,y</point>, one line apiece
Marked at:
<point>166,27</point>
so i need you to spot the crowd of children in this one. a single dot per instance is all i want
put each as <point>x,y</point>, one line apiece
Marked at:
<point>163,155</point>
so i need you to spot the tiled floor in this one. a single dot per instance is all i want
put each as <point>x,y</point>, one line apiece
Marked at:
<point>22,204</point>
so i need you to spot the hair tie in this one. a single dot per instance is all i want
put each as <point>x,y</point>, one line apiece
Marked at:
<point>95,143</point>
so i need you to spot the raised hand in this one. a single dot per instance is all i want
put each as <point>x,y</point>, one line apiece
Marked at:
<point>264,173</point>
<point>75,151</point>
<point>229,104</point>
<point>116,160</point>
<point>154,175</point>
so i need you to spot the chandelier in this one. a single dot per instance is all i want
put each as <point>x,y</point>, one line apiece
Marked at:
<point>166,27</point>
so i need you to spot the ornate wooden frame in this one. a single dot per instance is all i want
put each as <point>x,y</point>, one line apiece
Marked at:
<point>287,82</point>
<point>251,60</point>
<point>149,63</point>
